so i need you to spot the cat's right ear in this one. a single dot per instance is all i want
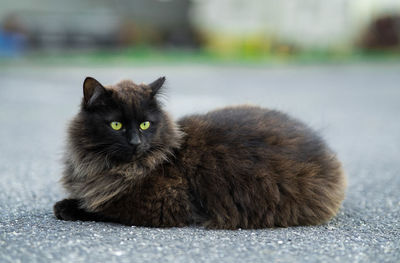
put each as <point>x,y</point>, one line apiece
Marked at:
<point>156,86</point>
<point>92,91</point>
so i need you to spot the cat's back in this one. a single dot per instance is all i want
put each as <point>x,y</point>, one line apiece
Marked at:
<point>249,126</point>
<point>242,116</point>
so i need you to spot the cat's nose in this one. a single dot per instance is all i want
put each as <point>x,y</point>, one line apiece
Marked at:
<point>135,140</point>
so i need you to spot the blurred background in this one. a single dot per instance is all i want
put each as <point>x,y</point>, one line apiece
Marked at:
<point>335,64</point>
<point>233,30</point>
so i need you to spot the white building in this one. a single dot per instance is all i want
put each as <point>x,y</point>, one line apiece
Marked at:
<point>317,24</point>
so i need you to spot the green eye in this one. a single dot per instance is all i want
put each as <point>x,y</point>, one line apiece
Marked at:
<point>116,125</point>
<point>144,125</point>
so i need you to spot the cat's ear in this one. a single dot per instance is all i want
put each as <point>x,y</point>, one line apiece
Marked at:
<point>156,85</point>
<point>92,90</point>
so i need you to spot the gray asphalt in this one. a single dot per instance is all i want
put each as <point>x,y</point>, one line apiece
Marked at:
<point>356,108</point>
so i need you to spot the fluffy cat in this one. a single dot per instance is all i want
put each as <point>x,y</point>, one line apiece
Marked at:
<point>128,162</point>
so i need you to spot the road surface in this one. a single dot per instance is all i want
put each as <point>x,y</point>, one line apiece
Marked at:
<point>356,108</point>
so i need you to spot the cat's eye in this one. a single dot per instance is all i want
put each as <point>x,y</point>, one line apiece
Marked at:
<point>116,125</point>
<point>144,125</point>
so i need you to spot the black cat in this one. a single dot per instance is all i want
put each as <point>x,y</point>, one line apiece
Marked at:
<point>237,167</point>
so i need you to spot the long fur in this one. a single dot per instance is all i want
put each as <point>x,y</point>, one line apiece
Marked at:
<point>236,167</point>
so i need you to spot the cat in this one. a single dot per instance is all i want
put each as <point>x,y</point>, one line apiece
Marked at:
<point>243,166</point>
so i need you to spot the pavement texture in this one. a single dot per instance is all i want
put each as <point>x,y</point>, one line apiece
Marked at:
<point>356,108</point>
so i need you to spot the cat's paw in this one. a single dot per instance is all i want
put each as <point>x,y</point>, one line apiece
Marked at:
<point>67,209</point>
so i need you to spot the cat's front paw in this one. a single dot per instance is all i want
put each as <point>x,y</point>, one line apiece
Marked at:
<point>67,209</point>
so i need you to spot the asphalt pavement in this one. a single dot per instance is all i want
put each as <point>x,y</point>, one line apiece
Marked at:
<point>355,107</point>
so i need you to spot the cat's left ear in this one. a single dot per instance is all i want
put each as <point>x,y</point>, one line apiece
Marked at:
<point>156,86</point>
<point>92,91</point>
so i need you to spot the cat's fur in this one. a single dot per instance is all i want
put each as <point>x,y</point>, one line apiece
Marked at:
<point>236,167</point>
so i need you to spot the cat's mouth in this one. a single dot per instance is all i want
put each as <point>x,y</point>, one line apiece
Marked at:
<point>140,151</point>
<point>133,154</point>
<point>125,153</point>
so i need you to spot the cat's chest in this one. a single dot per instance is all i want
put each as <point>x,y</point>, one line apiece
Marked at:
<point>97,190</point>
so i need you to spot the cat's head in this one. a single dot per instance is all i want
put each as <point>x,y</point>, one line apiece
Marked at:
<point>122,123</point>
